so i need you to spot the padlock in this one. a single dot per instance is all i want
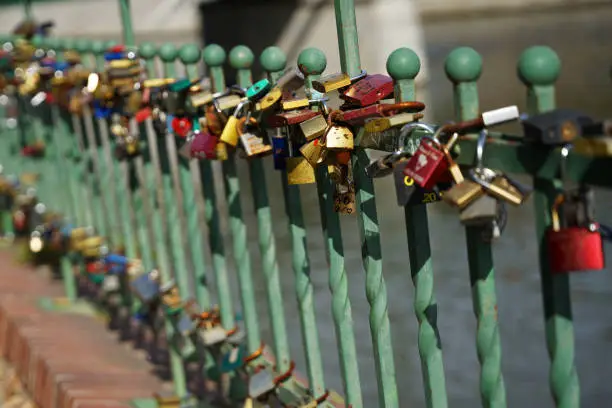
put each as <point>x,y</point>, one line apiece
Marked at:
<point>383,166</point>
<point>573,248</point>
<point>201,98</point>
<point>338,138</point>
<point>269,100</point>
<point>111,283</point>
<point>230,133</point>
<point>501,187</point>
<point>253,144</point>
<point>181,126</point>
<point>596,130</point>
<point>480,211</point>
<point>214,121</point>
<point>203,145</point>
<point>170,297</point>
<point>290,118</point>
<point>332,82</point>
<point>226,102</point>
<point>556,127</point>
<point>336,172</point>
<point>357,117</point>
<point>233,359</point>
<point>579,206</point>
<point>212,334</point>
<point>314,151</point>
<point>430,161</point>
<point>462,194</point>
<point>280,152</point>
<point>295,103</point>
<point>314,127</point>
<point>409,193</point>
<point>258,90</point>
<point>184,325</point>
<point>344,199</point>
<point>369,90</point>
<point>299,171</point>
<point>261,384</point>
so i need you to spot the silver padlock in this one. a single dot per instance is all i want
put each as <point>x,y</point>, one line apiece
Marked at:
<point>261,384</point>
<point>110,283</point>
<point>212,335</point>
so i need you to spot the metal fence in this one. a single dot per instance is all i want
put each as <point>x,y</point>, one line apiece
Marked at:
<point>156,205</point>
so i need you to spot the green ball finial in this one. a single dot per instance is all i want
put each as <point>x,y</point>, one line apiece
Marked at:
<point>147,50</point>
<point>83,45</point>
<point>68,44</point>
<point>403,63</point>
<point>189,54</point>
<point>37,41</point>
<point>109,44</point>
<point>52,43</point>
<point>168,52</point>
<point>463,64</point>
<point>241,57</point>
<point>312,61</point>
<point>214,55</point>
<point>98,47</point>
<point>539,65</point>
<point>273,59</point>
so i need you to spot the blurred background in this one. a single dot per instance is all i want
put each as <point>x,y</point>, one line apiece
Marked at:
<point>578,30</point>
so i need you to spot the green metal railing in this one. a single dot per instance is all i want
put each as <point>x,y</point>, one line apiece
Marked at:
<point>152,207</point>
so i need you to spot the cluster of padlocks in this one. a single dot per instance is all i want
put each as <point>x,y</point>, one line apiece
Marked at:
<point>303,133</point>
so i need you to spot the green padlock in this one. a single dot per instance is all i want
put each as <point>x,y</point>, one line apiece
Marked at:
<point>258,90</point>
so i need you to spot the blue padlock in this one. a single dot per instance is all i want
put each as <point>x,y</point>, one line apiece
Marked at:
<point>112,56</point>
<point>280,152</point>
<point>61,66</point>
<point>101,112</point>
<point>169,119</point>
<point>145,288</point>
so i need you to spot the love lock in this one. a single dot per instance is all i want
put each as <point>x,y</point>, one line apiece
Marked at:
<point>212,334</point>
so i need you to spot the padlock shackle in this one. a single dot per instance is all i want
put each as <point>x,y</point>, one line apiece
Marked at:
<point>554,212</point>
<point>407,130</point>
<point>480,146</point>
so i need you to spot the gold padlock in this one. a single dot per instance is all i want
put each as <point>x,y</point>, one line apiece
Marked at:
<point>123,63</point>
<point>295,104</point>
<point>221,151</point>
<point>314,127</point>
<point>335,173</point>
<point>339,138</point>
<point>300,171</point>
<point>314,151</point>
<point>228,102</point>
<point>230,134</point>
<point>331,82</point>
<point>460,195</point>
<point>201,98</point>
<point>381,124</point>
<point>268,101</point>
<point>157,82</point>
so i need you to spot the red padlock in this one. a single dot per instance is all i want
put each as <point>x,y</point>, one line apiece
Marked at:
<point>429,164</point>
<point>143,115</point>
<point>574,248</point>
<point>289,118</point>
<point>19,221</point>
<point>181,126</point>
<point>357,117</point>
<point>204,145</point>
<point>368,90</point>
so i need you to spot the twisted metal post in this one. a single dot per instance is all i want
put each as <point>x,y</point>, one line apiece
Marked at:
<point>463,67</point>
<point>403,65</point>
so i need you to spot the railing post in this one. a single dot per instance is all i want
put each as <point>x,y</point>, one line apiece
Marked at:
<point>376,290</point>
<point>191,55</point>
<point>312,63</point>
<point>156,188</point>
<point>214,57</point>
<point>241,59</point>
<point>174,195</point>
<point>463,67</point>
<point>403,65</point>
<point>538,68</point>
<point>274,61</point>
<point>27,9</point>
<point>126,22</point>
